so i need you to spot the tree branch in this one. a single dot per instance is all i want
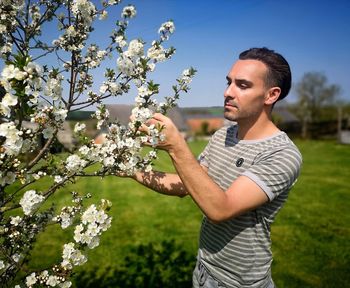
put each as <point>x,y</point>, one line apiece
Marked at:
<point>42,151</point>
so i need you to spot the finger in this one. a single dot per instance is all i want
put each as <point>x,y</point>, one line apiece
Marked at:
<point>132,118</point>
<point>160,117</point>
<point>144,128</point>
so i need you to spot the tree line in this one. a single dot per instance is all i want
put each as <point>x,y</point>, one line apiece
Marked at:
<point>319,105</point>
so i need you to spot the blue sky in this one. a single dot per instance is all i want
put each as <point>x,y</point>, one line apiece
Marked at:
<point>314,36</point>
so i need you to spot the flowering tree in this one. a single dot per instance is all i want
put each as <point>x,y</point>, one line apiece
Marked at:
<point>34,103</point>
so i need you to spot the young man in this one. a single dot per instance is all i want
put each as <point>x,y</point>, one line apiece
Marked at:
<point>242,178</point>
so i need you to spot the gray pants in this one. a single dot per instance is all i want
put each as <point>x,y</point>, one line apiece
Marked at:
<point>203,279</point>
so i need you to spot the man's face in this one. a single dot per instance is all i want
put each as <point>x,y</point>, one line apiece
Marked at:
<point>246,91</point>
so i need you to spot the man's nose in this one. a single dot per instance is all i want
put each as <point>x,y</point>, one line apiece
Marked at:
<point>228,92</point>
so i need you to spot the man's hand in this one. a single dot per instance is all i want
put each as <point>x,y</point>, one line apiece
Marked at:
<point>172,137</point>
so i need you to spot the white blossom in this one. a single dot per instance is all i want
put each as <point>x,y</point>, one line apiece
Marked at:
<point>31,279</point>
<point>79,127</point>
<point>148,168</point>
<point>5,110</point>
<point>120,40</point>
<point>9,178</point>
<point>60,114</point>
<point>141,114</point>
<point>157,53</point>
<point>66,284</point>
<point>33,69</point>
<point>84,150</point>
<point>15,220</point>
<point>58,178</point>
<point>9,100</point>
<point>135,48</point>
<point>72,257</point>
<point>126,65</point>
<point>13,142</point>
<point>103,15</point>
<point>86,9</point>
<point>166,29</point>
<point>75,163</point>
<point>52,281</point>
<point>9,72</point>
<point>101,115</point>
<point>108,161</point>
<point>94,222</point>
<point>7,48</point>
<point>114,88</point>
<point>151,66</point>
<point>129,11</point>
<point>38,175</point>
<point>53,87</point>
<point>30,201</point>
<point>103,88</point>
<point>144,91</point>
<point>16,257</point>
<point>48,132</point>
<point>66,217</point>
<point>113,2</point>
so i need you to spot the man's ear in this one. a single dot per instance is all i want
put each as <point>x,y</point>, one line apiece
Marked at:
<point>272,95</point>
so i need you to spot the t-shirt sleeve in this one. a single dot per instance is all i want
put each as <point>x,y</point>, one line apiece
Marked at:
<point>276,171</point>
<point>203,158</point>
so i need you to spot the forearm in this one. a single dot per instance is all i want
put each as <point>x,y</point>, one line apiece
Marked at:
<point>164,183</point>
<point>205,192</point>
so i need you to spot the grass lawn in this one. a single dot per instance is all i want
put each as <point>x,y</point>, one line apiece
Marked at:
<point>310,236</point>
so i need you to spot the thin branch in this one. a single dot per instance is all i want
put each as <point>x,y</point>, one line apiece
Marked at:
<point>42,151</point>
<point>17,45</point>
<point>43,55</point>
<point>14,193</point>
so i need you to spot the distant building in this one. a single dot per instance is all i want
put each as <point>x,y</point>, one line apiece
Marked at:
<point>286,120</point>
<point>65,136</point>
<point>204,124</point>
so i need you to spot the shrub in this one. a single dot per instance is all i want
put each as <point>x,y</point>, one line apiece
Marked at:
<point>147,265</point>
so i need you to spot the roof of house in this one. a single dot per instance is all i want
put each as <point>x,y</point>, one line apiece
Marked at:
<point>285,114</point>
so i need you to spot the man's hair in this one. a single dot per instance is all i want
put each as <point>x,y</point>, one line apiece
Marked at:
<point>278,70</point>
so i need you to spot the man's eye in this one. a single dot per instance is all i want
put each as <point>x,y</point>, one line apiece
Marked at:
<point>243,86</point>
<point>228,83</point>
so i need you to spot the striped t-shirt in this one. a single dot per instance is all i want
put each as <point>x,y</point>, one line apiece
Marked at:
<point>237,251</point>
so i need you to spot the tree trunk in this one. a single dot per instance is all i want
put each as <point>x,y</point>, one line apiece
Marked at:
<point>304,128</point>
<point>339,124</point>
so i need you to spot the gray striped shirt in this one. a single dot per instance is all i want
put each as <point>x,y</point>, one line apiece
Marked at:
<point>238,251</point>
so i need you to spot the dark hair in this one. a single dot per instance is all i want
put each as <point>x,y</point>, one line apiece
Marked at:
<point>278,70</point>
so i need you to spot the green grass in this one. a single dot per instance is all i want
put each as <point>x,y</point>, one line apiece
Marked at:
<point>310,235</point>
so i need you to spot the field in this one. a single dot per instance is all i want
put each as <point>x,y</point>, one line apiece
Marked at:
<point>310,236</point>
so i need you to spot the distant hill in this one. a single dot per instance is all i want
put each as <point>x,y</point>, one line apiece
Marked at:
<point>79,115</point>
<point>208,111</point>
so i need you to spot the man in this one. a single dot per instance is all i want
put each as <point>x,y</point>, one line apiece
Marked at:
<point>242,178</point>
